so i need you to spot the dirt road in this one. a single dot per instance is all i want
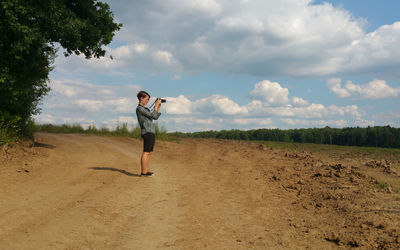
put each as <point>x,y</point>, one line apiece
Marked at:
<point>84,192</point>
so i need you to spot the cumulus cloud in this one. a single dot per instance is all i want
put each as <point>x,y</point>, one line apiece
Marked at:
<point>312,111</point>
<point>376,52</point>
<point>77,89</point>
<point>335,87</point>
<point>202,123</point>
<point>217,104</point>
<point>212,105</point>
<point>260,37</point>
<point>164,56</point>
<point>180,105</point>
<point>121,61</point>
<point>73,101</point>
<point>218,111</point>
<point>270,92</point>
<point>253,121</point>
<point>270,104</point>
<point>375,89</point>
<point>297,101</point>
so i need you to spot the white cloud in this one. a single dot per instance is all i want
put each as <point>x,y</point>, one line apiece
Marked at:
<point>71,100</point>
<point>312,111</point>
<point>270,92</point>
<point>164,57</point>
<point>112,123</point>
<point>335,87</point>
<point>194,123</point>
<point>376,51</point>
<point>316,123</point>
<point>206,6</point>
<point>217,105</point>
<point>70,120</point>
<point>262,38</point>
<point>213,105</point>
<point>74,89</point>
<point>240,24</point>
<point>297,101</point>
<point>253,121</point>
<point>44,119</point>
<point>82,102</point>
<point>365,123</point>
<point>351,110</point>
<point>90,105</point>
<point>259,37</point>
<point>122,104</point>
<point>375,89</point>
<point>140,48</point>
<point>178,105</point>
<point>84,122</point>
<point>70,89</point>
<point>258,113</point>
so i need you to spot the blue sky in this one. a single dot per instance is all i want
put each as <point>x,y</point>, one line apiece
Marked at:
<point>239,64</point>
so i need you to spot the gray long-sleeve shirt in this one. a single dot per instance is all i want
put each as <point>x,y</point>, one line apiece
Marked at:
<point>145,119</point>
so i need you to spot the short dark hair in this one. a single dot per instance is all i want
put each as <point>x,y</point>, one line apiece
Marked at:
<point>142,94</point>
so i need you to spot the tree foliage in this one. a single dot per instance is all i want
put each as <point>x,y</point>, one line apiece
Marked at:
<point>378,136</point>
<point>30,31</point>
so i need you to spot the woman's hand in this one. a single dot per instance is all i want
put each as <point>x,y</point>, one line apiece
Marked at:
<point>158,104</point>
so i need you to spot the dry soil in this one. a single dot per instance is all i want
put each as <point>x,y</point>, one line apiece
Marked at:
<point>70,191</point>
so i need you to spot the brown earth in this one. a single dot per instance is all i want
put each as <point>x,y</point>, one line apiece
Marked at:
<point>73,191</point>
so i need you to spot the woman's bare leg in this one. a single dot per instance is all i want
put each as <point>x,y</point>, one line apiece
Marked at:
<point>145,161</point>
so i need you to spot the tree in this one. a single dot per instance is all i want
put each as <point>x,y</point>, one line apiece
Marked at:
<point>30,31</point>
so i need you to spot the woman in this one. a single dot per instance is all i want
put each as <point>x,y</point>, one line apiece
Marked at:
<point>145,119</point>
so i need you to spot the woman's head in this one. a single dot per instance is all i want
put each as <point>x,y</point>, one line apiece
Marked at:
<point>143,97</point>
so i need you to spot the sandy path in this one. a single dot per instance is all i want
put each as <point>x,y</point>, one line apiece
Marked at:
<point>84,192</point>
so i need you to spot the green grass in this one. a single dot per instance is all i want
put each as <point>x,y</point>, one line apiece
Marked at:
<point>121,130</point>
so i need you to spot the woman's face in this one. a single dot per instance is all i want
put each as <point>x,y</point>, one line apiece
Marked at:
<point>144,100</point>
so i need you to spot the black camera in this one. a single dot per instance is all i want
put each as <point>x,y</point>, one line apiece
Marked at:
<point>162,100</point>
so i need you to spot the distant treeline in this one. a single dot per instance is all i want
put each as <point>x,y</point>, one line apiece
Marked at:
<point>120,130</point>
<point>378,136</point>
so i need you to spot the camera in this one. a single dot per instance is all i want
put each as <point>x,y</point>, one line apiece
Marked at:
<point>162,100</point>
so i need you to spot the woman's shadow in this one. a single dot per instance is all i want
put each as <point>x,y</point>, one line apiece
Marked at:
<point>116,170</point>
